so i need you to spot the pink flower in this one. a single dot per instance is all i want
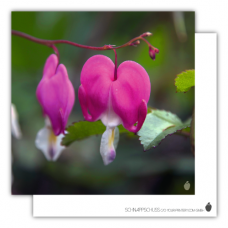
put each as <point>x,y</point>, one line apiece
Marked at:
<point>114,102</point>
<point>55,94</point>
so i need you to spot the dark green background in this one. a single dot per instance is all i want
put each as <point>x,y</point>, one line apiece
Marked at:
<point>79,169</point>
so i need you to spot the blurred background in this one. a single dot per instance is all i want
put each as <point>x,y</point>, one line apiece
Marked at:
<point>80,169</point>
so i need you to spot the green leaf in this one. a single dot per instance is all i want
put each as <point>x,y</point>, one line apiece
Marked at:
<point>185,81</point>
<point>84,129</point>
<point>167,117</point>
<point>157,126</point>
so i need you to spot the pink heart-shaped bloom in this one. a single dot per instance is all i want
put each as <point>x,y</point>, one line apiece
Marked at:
<point>121,101</point>
<point>55,94</point>
<point>114,102</point>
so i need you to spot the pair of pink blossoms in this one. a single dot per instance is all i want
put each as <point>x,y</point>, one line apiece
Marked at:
<point>114,101</point>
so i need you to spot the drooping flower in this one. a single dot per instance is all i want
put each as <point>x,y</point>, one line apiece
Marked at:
<point>15,127</point>
<point>56,96</point>
<point>114,102</point>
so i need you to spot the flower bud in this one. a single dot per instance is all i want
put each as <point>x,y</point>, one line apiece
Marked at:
<point>137,42</point>
<point>152,53</point>
<point>146,34</point>
<point>156,50</point>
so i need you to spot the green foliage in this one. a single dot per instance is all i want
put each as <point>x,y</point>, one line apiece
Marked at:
<point>157,126</point>
<point>84,129</point>
<point>185,81</point>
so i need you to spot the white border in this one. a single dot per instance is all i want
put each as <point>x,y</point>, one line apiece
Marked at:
<point>205,162</point>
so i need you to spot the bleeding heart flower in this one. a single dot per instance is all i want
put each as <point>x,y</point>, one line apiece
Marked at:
<point>55,94</point>
<point>114,102</point>
<point>48,142</point>
<point>15,127</point>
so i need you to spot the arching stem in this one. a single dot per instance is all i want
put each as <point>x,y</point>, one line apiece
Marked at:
<point>51,43</point>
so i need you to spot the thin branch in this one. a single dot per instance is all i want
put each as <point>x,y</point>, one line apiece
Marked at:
<point>50,43</point>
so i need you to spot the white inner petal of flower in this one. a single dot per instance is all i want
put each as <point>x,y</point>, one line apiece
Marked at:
<point>109,142</point>
<point>48,142</point>
<point>109,118</point>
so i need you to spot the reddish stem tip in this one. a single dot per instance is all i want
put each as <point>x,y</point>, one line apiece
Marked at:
<point>115,70</point>
<point>146,34</point>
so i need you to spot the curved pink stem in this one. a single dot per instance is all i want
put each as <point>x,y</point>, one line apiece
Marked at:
<point>51,43</point>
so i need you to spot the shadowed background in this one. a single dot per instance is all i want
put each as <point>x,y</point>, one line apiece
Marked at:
<point>80,169</point>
